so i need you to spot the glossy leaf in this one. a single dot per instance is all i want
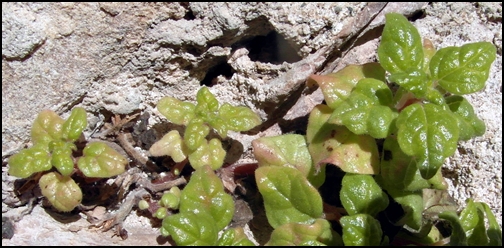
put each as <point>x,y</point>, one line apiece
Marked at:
<point>74,125</point>
<point>46,127</point>
<point>429,133</point>
<point>465,69</point>
<point>238,118</point>
<point>333,144</point>
<point>360,194</point>
<point>399,171</point>
<point>401,46</point>
<point>469,124</point>
<point>171,145</point>
<point>415,80</point>
<point>100,160</point>
<point>287,150</point>
<point>189,228</point>
<point>336,87</point>
<point>176,111</point>
<point>234,237</point>
<point>208,153</point>
<point>29,161</point>
<point>170,200</point>
<point>195,134</point>
<point>367,109</point>
<point>361,229</point>
<point>205,194</point>
<point>288,196</point>
<point>472,220</point>
<point>295,234</point>
<point>458,236</point>
<point>61,191</point>
<point>62,157</point>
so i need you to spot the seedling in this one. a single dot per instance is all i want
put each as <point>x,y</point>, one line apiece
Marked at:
<point>53,146</point>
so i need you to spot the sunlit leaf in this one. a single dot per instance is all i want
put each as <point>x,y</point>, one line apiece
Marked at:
<point>46,127</point>
<point>100,160</point>
<point>208,153</point>
<point>234,237</point>
<point>360,194</point>
<point>195,133</point>
<point>189,228</point>
<point>176,111</point>
<point>295,234</point>
<point>401,46</point>
<point>336,87</point>
<point>361,229</point>
<point>429,133</point>
<point>287,150</point>
<point>367,110</point>
<point>31,160</point>
<point>469,124</point>
<point>288,196</point>
<point>205,194</point>
<point>465,69</point>
<point>458,236</point>
<point>238,118</point>
<point>62,156</point>
<point>171,145</point>
<point>61,191</point>
<point>333,144</point>
<point>74,125</point>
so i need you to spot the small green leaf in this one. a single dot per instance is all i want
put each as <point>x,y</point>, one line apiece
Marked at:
<point>414,80</point>
<point>61,191</point>
<point>458,236</point>
<point>412,205</point>
<point>494,232</point>
<point>361,229</point>
<point>429,133</point>
<point>469,124</point>
<point>287,150</point>
<point>367,109</point>
<point>191,229</point>
<point>205,194</point>
<point>336,87</point>
<point>170,145</point>
<point>206,102</point>
<point>401,46</point>
<point>399,171</point>
<point>74,125</point>
<point>29,161</point>
<point>336,145</point>
<point>295,234</point>
<point>472,220</point>
<point>195,133</point>
<point>465,69</point>
<point>170,200</point>
<point>100,160</point>
<point>288,196</point>
<point>234,237</point>
<point>176,111</point>
<point>208,153</point>
<point>46,127</point>
<point>360,194</point>
<point>62,156</point>
<point>238,118</point>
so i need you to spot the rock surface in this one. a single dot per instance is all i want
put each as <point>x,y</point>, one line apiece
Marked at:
<point>121,58</point>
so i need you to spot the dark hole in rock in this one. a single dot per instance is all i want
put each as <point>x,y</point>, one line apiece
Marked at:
<point>222,68</point>
<point>272,48</point>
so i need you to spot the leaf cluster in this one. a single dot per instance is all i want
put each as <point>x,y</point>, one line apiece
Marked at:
<point>53,146</point>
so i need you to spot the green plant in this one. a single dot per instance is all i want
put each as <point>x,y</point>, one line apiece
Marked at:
<point>418,125</point>
<point>53,146</point>
<point>199,119</point>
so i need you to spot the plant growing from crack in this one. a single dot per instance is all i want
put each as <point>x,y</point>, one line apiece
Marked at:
<point>54,146</point>
<point>419,124</point>
<point>199,119</point>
